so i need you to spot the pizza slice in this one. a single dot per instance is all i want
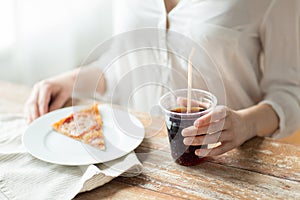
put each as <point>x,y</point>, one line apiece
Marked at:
<point>84,125</point>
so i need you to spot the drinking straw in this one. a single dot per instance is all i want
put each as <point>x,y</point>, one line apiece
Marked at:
<point>190,81</point>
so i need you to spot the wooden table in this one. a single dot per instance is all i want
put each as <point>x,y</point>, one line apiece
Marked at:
<point>260,169</point>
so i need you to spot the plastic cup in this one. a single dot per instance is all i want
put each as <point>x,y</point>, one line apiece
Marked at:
<point>177,119</point>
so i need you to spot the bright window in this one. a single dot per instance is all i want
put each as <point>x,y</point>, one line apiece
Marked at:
<point>7,25</point>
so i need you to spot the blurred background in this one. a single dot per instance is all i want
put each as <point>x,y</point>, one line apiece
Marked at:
<point>42,38</point>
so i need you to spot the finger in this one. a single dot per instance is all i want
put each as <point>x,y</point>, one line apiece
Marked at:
<point>58,102</point>
<point>26,112</point>
<point>31,109</point>
<point>223,148</point>
<point>183,102</point>
<point>34,112</point>
<point>191,131</point>
<point>213,127</point>
<point>221,136</point>
<point>219,113</point>
<point>44,98</point>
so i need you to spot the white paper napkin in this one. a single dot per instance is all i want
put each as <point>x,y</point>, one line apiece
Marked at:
<point>25,177</point>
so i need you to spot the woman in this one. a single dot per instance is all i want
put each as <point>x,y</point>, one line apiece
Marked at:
<point>262,98</point>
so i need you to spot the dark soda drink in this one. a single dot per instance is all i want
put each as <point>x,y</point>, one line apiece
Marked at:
<point>182,154</point>
<point>177,118</point>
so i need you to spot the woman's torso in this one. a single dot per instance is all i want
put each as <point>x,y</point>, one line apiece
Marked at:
<point>228,32</point>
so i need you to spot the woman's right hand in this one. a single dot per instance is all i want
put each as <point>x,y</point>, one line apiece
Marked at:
<point>49,95</point>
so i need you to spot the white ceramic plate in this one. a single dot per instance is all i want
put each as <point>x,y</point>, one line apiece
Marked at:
<point>122,131</point>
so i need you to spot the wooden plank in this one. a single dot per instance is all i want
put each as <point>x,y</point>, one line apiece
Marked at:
<point>261,155</point>
<point>265,156</point>
<point>119,190</point>
<point>208,180</point>
<point>13,97</point>
<point>14,92</point>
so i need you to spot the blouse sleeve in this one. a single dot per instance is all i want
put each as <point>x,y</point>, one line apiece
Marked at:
<point>109,71</point>
<point>280,37</point>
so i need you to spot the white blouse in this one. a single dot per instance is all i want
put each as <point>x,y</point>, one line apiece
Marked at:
<point>250,53</point>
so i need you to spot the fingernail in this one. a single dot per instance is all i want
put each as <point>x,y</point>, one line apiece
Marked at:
<point>197,123</point>
<point>183,132</point>
<point>186,141</point>
<point>201,152</point>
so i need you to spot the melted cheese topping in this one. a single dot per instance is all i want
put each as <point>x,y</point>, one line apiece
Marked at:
<point>80,125</point>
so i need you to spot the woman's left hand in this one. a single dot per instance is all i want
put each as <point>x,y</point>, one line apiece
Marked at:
<point>224,125</point>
